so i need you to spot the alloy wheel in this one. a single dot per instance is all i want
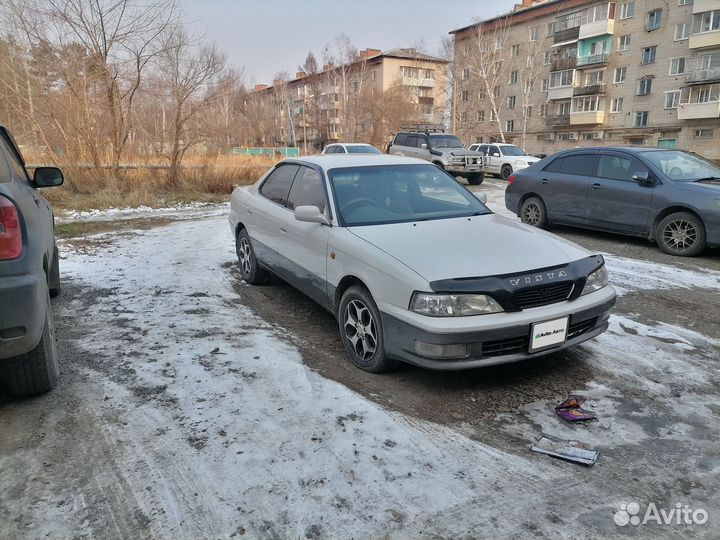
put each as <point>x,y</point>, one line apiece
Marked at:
<point>244,255</point>
<point>679,235</point>
<point>531,214</point>
<point>360,329</point>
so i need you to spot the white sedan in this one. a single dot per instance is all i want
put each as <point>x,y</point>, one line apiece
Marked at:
<point>350,148</point>
<point>414,267</point>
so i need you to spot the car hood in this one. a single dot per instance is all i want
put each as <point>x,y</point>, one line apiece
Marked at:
<point>478,246</point>
<point>456,152</point>
<point>706,187</point>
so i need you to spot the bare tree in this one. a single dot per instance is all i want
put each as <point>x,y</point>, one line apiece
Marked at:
<point>187,73</point>
<point>530,69</point>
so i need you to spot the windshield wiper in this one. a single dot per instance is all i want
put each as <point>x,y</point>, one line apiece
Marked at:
<point>708,179</point>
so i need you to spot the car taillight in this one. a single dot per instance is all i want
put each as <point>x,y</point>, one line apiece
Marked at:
<point>10,233</point>
<point>511,179</point>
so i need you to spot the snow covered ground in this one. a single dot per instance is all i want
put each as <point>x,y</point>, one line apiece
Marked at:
<point>202,420</point>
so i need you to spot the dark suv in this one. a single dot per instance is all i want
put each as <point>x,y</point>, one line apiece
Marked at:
<point>668,196</point>
<point>29,274</point>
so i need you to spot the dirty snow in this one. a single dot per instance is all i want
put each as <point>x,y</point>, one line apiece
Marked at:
<point>191,209</point>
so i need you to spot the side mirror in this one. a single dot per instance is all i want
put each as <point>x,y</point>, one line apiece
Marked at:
<point>310,214</point>
<point>48,177</point>
<point>643,178</point>
<point>423,146</point>
<point>482,197</point>
<point>495,154</point>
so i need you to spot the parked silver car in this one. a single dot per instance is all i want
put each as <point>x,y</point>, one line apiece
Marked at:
<point>414,266</point>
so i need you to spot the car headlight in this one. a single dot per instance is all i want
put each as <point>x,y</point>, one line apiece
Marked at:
<point>595,281</point>
<point>521,163</point>
<point>453,305</point>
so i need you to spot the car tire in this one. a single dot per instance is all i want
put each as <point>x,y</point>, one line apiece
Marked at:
<point>54,277</point>
<point>250,268</point>
<point>37,371</point>
<point>476,179</point>
<point>533,212</point>
<point>681,234</point>
<point>361,331</point>
<point>506,171</point>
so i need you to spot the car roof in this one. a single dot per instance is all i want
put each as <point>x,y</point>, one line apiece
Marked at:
<point>333,161</point>
<point>627,149</point>
<point>350,144</point>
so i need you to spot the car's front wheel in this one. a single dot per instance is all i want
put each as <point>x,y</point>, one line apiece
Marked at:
<point>361,330</point>
<point>37,371</point>
<point>476,179</point>
<point>533,212</point>
<point>250,269</point>
<point>682,234</point>
<point>506,171</point>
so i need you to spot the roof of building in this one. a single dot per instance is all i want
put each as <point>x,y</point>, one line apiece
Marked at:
<point>413,54</point>
<point>519,10</point>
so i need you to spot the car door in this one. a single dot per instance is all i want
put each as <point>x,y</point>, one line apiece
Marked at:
<point>302,246</point>
<point>615,200</point>
<point>563,186</point>
<point>267,215</point>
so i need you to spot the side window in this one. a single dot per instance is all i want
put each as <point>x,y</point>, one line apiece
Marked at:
<point>422,139</point>
<point>307,190</point>
<point>582,165</point>
<point>619,168</point>
<point>277,185</point>
<point>5,174</point>
<point>555,165</point>
<point>340,150</point>
<point>401,139</point>
<point>330,149</point>
<point>14,165</point>
<point>483,149</point>
<point>412,141</point>
<point>492,150</point>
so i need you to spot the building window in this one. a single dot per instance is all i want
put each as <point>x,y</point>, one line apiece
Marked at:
<point>672,99</point>
<point>616,105</point>
<point>496,92</point>
<point>685,2</point>
<point>627,10</point>
<point>550,30</point>
<point>654,20</point>
<point>465,74</point>
<point>587,104</point>
<point>620,75</point>
<point>493,115</point>
<point>482,94</point>
<point>644,87</point>
<point>677,66</point>
<point>641,118</point>
<point>429,74</point>
<point>409,72</point>
<point>463,117</point>
<point>560,79</point>
<point>527,111</point>
<point>528,86</point>
<point>497,66</point>
<point>706,22</point>
<point>511,102</point>
<point>703,133</point>
<point>624,43</point>
<point>510,125</point>
<point>481,116</point>
<point>544,85</point>
<point>515,50</point>
<point>667,143</point>
<point>534,33</point>
<point>544,109</point>
<point>562,108</point>
<point>513,77</point>
<point>682,31</point>
<point>548,58</point>
<point>648,55</point>
<point>464,95</point>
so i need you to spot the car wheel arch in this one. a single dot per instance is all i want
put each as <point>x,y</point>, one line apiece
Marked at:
<point>345,283</point>
<point>665,212</point>
<point>239,227</point>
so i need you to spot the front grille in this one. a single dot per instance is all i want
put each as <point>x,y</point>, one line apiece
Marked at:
<point>542,296</point>
<point>579,328</point>
<point>502,347</point>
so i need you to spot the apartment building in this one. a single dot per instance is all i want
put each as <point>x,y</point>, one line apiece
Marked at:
<point>363,100</point>
<point>556,74</point>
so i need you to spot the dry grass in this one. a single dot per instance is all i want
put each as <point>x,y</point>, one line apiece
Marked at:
<point>202,179</point>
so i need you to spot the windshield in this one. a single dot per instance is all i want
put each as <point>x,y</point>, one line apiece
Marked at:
<point>362,149</point>
<point>400,193</point>
<point>513,151</point>
<point>682,166</point>
<point>445,141</point>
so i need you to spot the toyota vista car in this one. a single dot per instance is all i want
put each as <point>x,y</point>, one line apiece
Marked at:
<point>414,266</point>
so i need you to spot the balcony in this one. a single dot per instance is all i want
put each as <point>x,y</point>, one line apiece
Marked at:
<point>704,40</point>
<point>562,64</point>
<point>560,92</point>
<point>593,60</point>
<point>589,90</point>
<point>570,34</point>
<point>587,117</point>
<point>416,81</point>
<point>695,111</point>
<point>557,120</point>
<point>597,28</point>
<point>702,75</point>
<point>701,6</point>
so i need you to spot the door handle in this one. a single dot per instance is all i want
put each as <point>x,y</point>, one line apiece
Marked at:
<point>249,211</point>
<point>544,181</point>
<point>596,186</point>
<point>283,229</point>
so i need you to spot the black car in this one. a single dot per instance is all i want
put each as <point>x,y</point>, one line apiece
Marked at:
<point>668,196</point>
<point>29,274</point>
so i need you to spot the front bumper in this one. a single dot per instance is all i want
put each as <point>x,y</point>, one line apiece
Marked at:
<point>22,313</point>
<point>498,344</point>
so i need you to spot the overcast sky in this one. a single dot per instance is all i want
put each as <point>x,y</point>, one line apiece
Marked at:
<point>269,36</point>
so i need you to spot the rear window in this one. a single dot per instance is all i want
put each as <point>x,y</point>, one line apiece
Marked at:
<point>578,165</point>
<point>277,186</point>
<point>5,174</point>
